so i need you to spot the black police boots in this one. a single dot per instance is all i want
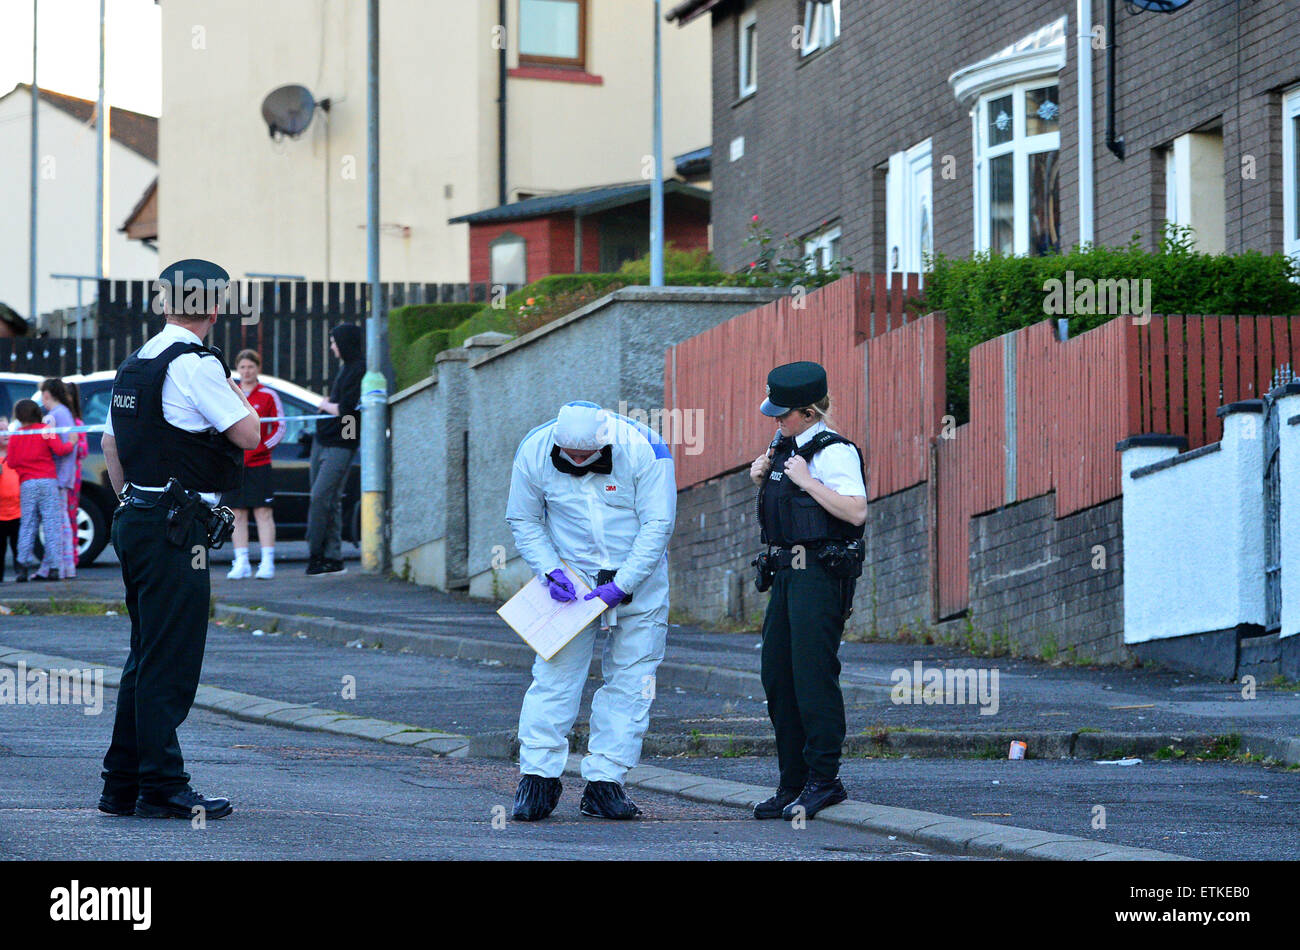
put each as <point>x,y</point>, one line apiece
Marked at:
<point>119,805</point>
<point>184,804</point>
<point>817,794</point>
<point>607,800</point>
<point>773,806</point>
<point>536,797</point>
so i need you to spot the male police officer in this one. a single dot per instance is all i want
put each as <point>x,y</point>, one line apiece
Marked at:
<point>174,438</point>
<point>592,496</point>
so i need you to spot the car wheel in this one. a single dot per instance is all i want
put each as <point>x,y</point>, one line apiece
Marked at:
<point>92,531</point>
<point>91,535</point>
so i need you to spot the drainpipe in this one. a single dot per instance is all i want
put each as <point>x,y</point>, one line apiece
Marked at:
<point>1087,182</point>
<point>502,191</point>
<point>1113,142</point>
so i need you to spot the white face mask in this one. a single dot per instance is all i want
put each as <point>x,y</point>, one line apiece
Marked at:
<point>591,458</point>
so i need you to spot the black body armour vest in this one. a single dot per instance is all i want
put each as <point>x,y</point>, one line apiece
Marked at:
<point>788,514</point>
<point>151,449</point>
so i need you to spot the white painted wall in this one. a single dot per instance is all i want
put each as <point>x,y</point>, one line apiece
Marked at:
<point>66,206</point>
<point>1289,464</point>
<point>229,193</point>
<point>1194,537</point>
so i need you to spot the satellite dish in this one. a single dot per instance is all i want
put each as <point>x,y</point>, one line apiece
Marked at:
<point>1159,6</point>
<point>288,110</point>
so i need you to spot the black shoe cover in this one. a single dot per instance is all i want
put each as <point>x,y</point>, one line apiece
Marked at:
<point>607,800</point>
<point>536,797</point>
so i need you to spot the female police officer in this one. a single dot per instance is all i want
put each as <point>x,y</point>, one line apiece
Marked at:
<point>812,507</point>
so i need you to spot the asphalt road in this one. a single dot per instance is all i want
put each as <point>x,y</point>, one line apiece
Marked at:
<point>1200,809</point>
<point>310,796</point>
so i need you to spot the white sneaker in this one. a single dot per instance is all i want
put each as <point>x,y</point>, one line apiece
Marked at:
<point>266,570</point>
<point>239,570</point>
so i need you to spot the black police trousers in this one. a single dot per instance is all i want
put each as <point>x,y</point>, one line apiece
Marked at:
<point>801,671</point>
<point>167,590</point>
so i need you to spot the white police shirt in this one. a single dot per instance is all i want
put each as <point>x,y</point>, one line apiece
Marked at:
<point>835,466</point>
<point>196,393</point>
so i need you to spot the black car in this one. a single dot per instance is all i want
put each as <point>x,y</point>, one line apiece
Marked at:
<point>290,466</point>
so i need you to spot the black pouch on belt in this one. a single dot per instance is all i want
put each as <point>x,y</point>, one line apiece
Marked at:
<point>843,559</point>
<point>606,577</point>
<point>763,573</point>
<point>183,509</point>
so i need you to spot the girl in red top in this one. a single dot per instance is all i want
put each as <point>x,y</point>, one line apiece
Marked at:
<point>256,492</point>
<point>32,456</point>
<point>11,508</point>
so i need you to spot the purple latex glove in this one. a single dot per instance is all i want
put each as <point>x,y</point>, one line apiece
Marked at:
<point>609,593</point>
<point>560,586</point>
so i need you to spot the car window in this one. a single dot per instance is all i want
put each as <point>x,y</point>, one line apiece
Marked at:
<point>295,428</point>
<point>14,391</point>
<point>94,402</point>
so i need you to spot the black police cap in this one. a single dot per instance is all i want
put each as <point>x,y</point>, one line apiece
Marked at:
<point>172,283</point>
<point>793,386</point>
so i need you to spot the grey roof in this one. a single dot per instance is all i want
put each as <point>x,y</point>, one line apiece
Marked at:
<point>585,201</point>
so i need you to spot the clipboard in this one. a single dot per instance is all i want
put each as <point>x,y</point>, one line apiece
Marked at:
<point>546,624</point>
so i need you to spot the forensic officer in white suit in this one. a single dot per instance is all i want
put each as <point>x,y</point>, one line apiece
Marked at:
<point>593,494</point>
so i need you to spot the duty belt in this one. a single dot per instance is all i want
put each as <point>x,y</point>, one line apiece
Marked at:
<point>782,558</point>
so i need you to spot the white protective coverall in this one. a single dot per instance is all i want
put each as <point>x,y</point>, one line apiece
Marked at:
<point>621,521</point>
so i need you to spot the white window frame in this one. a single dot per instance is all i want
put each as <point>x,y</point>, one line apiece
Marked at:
<point>747,54</point>
<point>1020,147</point>
<point>507,239</point>
<point>1173,214</point>
<point>909,187</point>
<point>819,250</point>
<point>821,25</point>
<point>1291,172</point>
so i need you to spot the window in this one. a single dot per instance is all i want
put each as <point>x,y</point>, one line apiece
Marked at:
<point>821,25</point>
<point>1195,189</point>
<point>553,32</point>
<point>1291,171</point>
<point>1017,151</point>
<point>509,260</point>
<point>823,250</point>
<point>747,55</point>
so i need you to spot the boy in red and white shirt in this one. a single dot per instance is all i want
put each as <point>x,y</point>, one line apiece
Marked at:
<point>256,493</point>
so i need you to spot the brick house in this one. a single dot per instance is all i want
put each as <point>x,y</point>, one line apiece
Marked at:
<point>592,230</point>
<point>877,131</point>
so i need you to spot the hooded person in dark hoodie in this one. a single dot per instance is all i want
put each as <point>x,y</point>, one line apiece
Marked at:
<point>332,451</point>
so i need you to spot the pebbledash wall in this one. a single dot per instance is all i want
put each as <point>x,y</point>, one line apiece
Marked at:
<point>454,435</point>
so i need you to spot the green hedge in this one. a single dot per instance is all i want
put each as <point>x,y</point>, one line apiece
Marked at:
<point>413,329</point>
<point>502,319</point>
<point>987,295</point>
<point>416,334</point>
